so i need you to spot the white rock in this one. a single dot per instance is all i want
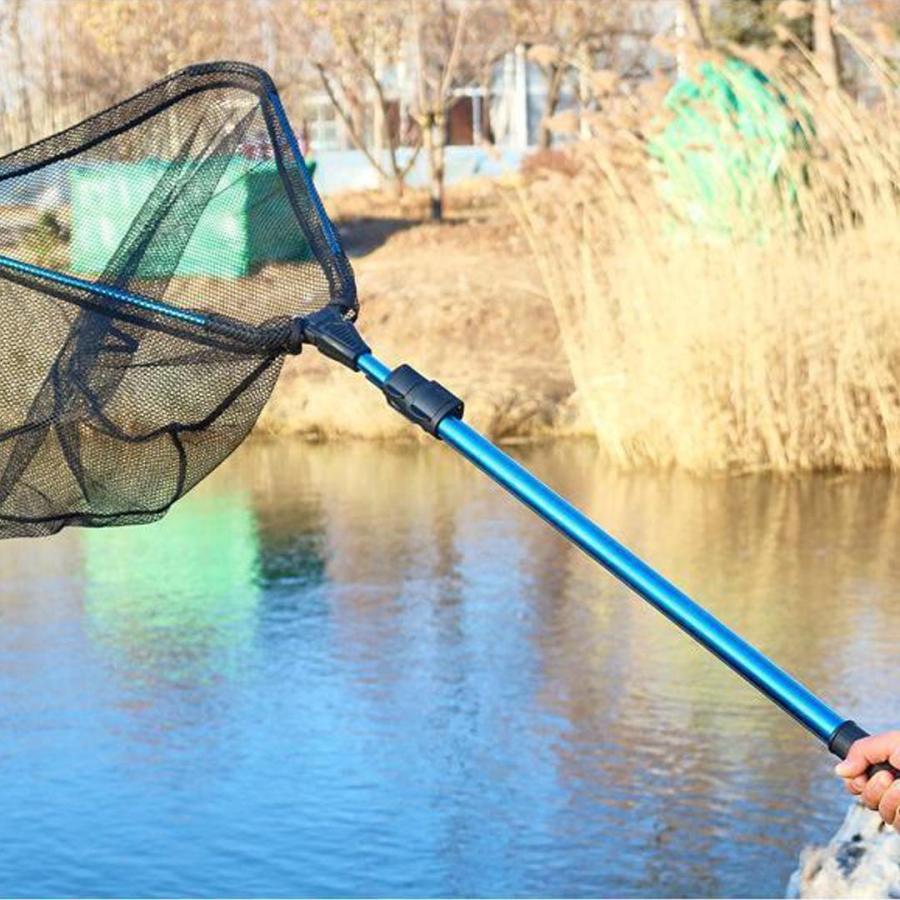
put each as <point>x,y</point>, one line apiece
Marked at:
<point>861,860</point>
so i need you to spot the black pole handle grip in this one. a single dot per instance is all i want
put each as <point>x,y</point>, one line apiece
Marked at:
<point>845,737</point>
<point>872,771</point>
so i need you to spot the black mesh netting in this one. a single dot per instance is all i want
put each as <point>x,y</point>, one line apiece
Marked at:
<point>152,260</point>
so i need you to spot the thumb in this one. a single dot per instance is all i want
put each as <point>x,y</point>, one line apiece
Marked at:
<point>866,752</point>
<point>856,762</point>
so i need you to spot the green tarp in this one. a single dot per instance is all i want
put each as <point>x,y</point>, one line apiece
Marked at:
<point>227,241</point>
<point>727,138</point>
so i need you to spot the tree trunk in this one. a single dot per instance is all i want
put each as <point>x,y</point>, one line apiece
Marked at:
<point>24,94</point>
<point>434,146</point>
<point>396,184</point>
<point>826,52</point>
<point>554,87</point>
<point>691,22</point>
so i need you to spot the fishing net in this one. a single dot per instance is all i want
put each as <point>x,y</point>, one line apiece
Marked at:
<point>154,261</point>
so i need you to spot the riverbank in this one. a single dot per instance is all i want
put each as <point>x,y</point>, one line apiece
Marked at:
<point>461,300</point>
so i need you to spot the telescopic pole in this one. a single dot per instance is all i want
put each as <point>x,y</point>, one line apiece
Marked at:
<point>834,730</point>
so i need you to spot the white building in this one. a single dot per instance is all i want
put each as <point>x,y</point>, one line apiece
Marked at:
<point>507,112</point>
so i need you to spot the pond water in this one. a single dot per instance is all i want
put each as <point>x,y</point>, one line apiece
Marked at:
<point>362,670</point>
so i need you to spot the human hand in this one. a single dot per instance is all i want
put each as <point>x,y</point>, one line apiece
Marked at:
<point>882,791</point>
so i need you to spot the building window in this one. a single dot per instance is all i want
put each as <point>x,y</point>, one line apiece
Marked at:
<point>321,124</point>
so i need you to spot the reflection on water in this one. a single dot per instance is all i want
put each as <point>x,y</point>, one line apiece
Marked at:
<point>363,670</point>
<point>169,598</point>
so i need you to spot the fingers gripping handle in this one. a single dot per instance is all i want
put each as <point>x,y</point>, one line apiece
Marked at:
<point>845,737</point>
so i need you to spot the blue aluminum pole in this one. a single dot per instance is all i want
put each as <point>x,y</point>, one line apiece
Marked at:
<point>746,660</point>
<point>103,290</point>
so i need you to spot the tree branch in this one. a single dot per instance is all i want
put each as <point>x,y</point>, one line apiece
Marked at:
<point>347,119</point>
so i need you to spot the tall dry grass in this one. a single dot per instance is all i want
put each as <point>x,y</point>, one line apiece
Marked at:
<point>769,343</point>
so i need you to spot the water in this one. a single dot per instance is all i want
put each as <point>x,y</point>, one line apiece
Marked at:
<point>361,670</point>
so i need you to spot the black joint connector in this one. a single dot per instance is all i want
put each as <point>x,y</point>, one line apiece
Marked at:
<point>845,737</point>
<point>295,337</point>
<point>333,336</point>
<point>424,402</point>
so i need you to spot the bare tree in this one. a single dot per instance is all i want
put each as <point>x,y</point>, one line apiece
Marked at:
<point>392,68</point>
<point>691,18</point>
<point>824,44</point>
<point>19,64</point>
<point>562,35</point>
<point>820,14</point>
<point>68,58</point>
<point>115,47</point>
<point>356,49</point>
<point>439,34</point>
<point>456,43</point>
<point>690,31</point>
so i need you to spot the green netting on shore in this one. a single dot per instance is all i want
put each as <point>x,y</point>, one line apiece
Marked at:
<point>727,139</point>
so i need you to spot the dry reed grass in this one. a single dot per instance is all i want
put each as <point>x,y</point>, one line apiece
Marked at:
<point>771,345</point>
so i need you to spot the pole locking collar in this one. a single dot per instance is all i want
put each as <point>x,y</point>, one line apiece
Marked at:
<point>427,403</point>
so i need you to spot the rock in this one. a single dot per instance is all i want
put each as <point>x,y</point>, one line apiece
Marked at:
<point>861,860</point>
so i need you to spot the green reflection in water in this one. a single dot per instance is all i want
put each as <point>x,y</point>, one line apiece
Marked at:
<point>169,596</point>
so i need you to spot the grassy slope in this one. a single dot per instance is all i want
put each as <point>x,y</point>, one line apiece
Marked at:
<point>459,300</point>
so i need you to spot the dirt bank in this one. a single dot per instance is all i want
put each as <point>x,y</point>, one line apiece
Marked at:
<point>459,300</point>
